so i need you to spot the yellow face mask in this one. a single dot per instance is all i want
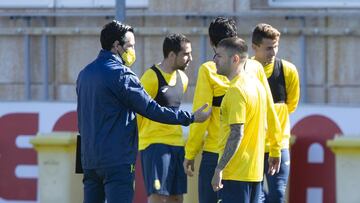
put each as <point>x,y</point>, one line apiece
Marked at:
<point>128,57</point>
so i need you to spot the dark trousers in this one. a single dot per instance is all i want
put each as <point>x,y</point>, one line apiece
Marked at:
<point>206,172</point>
<point>240,192</point>
<point>277,183</point>
<point>115,184</point>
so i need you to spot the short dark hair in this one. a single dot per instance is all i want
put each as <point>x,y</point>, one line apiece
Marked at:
<point>172,43</point>
<point>263,30</point>
<point>234,45</point>
<point>113,31</point>
<point>221,28</point>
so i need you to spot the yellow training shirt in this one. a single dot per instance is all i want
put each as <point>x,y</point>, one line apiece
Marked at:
<point>245,103</point>
<point>151,132</point>
<point>273,138</point>
<point>292,87</point>
<point>208,85</point>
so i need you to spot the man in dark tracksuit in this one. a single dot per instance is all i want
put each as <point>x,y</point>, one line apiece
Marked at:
<point>109,95</point>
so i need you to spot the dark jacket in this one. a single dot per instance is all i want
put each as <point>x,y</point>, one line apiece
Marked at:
<point>109,95</point>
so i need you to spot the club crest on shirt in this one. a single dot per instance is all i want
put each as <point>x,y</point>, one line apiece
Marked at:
<point>164,90</point>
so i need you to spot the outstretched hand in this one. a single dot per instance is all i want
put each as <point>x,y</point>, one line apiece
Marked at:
<point>200,115</point>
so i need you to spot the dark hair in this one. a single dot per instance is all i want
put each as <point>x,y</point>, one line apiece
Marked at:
<point>172,43</point>
<point>262,31</point>
<point>234,45</point>
<point>113,31</point>
<point>221,28</point>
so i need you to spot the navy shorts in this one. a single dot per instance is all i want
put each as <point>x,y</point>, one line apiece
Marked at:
<point>239,191</point>
<point>162,167</point>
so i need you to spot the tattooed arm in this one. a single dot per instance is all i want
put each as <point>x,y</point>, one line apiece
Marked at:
<point>232,145</point>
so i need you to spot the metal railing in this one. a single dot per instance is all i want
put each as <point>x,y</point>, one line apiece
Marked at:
<point>47,31</point>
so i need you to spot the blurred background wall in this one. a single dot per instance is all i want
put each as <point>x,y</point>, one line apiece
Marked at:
<point>45,43</point>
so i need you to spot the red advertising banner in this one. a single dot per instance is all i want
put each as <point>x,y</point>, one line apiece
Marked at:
<point>312,165</point>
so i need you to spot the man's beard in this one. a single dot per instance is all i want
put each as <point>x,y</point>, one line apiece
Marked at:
<point>183,67</point>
